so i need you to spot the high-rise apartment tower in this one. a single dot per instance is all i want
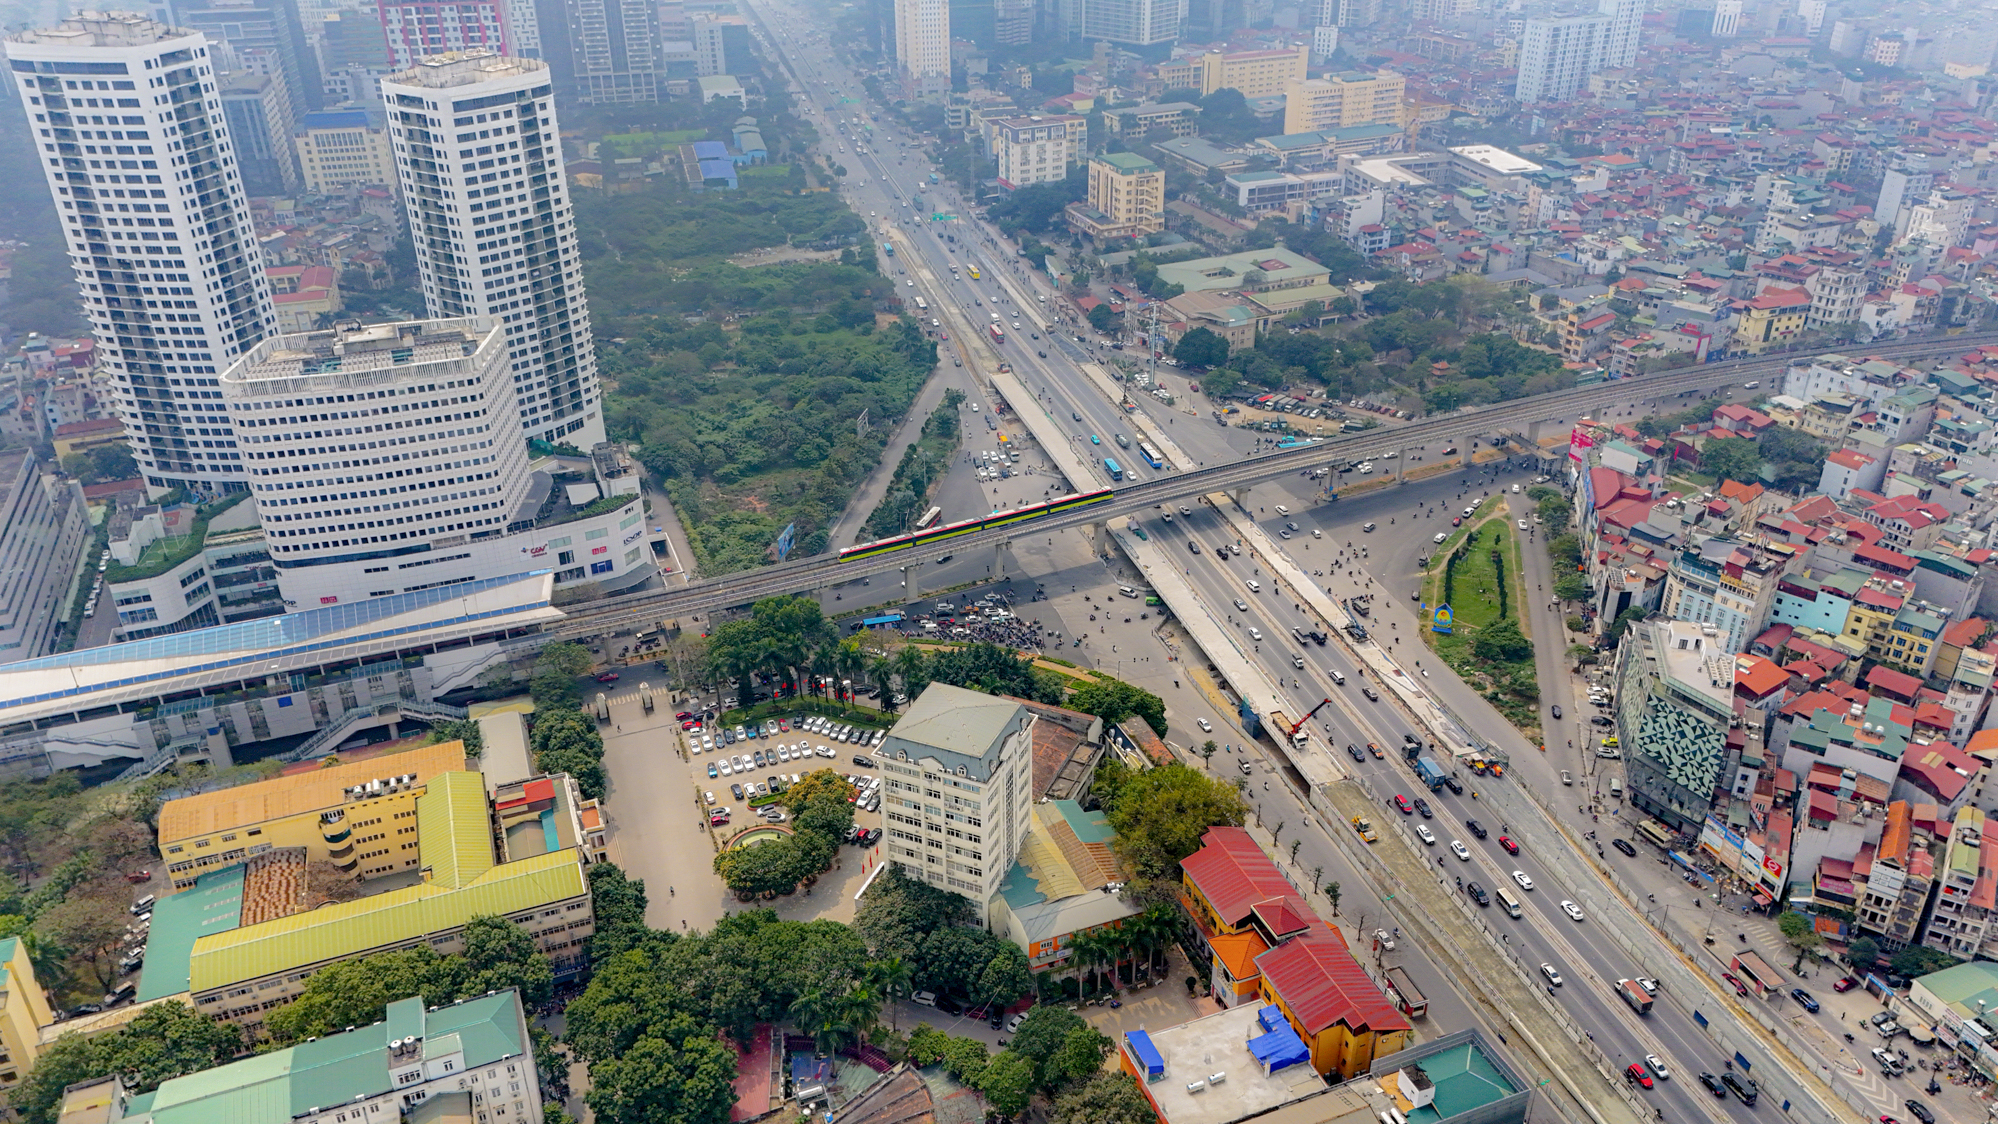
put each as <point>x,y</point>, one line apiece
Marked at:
<point>922,45</point>
<point>130,134</point>
<point>480,162</point>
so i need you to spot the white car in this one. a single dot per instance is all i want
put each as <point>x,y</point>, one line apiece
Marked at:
<point>1206,727</point>
<point>710,796</point>
<point>1522,524</point>
<point>1658,1069</point>
<point>1520,877</point>
<point>1440,536</point>
<point>1572,910</point>
<point>1241,604</point>
<point>1553,977</point>
<point>726,770</point>
<point>1423,833</point>
<point>1458,849</point>
<point>1317,534</point>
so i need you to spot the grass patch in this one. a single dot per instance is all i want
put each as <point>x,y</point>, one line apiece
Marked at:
<point>785,708</point>
<point>164,554</point>
<point>1484,592</point>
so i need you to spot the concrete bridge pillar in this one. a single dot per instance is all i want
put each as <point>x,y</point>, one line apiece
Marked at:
<point>1401,465</point>
<point>912,581</point>
<point>1464,453</point>
<point>1240,496</point>
<point>1099,539</point>
<point>1002,558</point>
<point>1533,434</point>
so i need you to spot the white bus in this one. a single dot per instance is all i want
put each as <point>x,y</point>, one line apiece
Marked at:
<point>929,517</point>
<point>922,305</point>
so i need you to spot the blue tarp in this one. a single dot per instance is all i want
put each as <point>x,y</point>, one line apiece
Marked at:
<point>1146,1053</point>
<point>710,150</point>
<point>1280,1048</point>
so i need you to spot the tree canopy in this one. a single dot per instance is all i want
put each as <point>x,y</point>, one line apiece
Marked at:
<point>1160,814</point>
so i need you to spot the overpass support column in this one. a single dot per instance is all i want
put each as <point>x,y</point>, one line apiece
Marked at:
<point>1464,454</point>
<point>1240,496</point>
<point>1401,465</point>
<point>1002,558</point>
<point>912,576</point>
<point>1099,539</point>
<point>1533,435</point>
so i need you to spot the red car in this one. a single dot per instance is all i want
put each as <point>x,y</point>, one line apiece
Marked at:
<point>1845,983</point>
<point>1511,848</point>
<point>1739,987</point>
<point>684,715</point>
<point>1400,801</point>
<point>1456,520</point>
<point>607,677</point>
<point>1635,1072</point>
<point>690,724</point>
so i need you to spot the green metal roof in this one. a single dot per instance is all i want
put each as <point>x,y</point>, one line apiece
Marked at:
<point>214,904</point>
<point>453,836</point>
<point>347,929</point>
<point>1089,827</point>
<point>338,1068</point>
<point>1128,162</point>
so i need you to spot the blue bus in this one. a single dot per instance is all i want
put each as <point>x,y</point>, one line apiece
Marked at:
<point>1296,442</point>
<point>1116,473</point>
<point>1150,454</point>
<point>890,620</point>
<point>888,248</point>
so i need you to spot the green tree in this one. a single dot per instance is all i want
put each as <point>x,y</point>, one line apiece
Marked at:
<point>1572,587</point>
<point>1007,976</point>
<point>619,905</point>
<point>1106,1098</point>
<point>1201,347</point>
<point>677,1073</point>
<point>966,1059</point>
<point>899,912</point>
<point>1863,954</point>
<point>455,730</point>
<point>1161,814</point>
<point>1102,319</point>
<point>162,1042</point>
<point>1008,1083</point>
<point>1114,700</point>
<point>1732,458</point>
<point>1565,551</point>
<point>1919,960</point>
<point>1501,642</point>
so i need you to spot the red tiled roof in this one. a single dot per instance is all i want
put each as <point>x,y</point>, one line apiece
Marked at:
<point>1233,873</point>
<point>1899,684</point>
<point>1322,985</point>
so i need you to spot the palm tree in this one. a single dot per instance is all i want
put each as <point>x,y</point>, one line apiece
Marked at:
<point>881,672</point>
<point>847,660</point>
<point>1095,949</point>
<point>910,668</point>
<point>1151,931</point>
<point>892,978</point>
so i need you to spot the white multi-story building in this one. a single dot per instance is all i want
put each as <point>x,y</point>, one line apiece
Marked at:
<point>1727,19</point>
<point>1556,56</point>
<point>130,134</point>
<point>416,29</point>
<point>959,789</point>
<point>1038,148</point>
<point>1137,23</point>
<point>480,160</point>
<point>614,50</point>
<point>386,459</point>
<point>42,526</point>
<point>922,46</point>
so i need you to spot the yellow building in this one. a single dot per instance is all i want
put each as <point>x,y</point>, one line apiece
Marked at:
<point>1331,1002</point>
<point>1870,621</point>
<point>1255,73</point>
<point>23,1012</point>
<point>360,816</point>
<point>340,149</point>
<point>1338,101</point>
<point>1126,198</point>
<point>1771,319</point>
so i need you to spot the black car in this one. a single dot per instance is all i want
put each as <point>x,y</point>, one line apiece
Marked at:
<point>1477,828</point>
<point>1456,785</point>
<point>1369,692</point>
<point>1193,546</point>
<point>1076,416</point>
<point>1921,1111</point>
<point>1556,710</point>
<point>1713,1084</point>
<point>862,761</point>
<point>1804,999</point>
<point>949,1006</point>
<point>1477,893</point>
<point>736,791</point>
<point>1742,1087</point>
<point>1356,753</point>
<point>1601,720</point>
<point>1624,846</point>
<point>1422,806</point>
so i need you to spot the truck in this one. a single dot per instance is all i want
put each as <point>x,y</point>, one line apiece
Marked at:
<point>1401,990</point>
<point>1429,772</point>
<point>602,708</point>
<point>1365,827</point>
<point>1281,726</point>
<point>645,696</point>
<point>1634,994</point>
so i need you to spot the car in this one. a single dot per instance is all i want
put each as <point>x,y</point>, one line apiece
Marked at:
<point>712,771</point>
<point>1804,999</point>
<point>1845,984</point>
<point>1658,1069</point>
<point>1206,727</point>
<point>1555,710</point>
<point>1921,1111</point>
<point>607,677</point>
<point>1459,850</point>
<point>1601,720</point>
<point>1076,416</point>
<point>1423,833</point>
<point>1881,1019</point>
<point>1522,524</point>
<point>1455,785</point>
<point>1385,939</point>
<point>1375,749</point>
<point>1422,806</point>
<point>1013,1024</point>
<point>1476,828</point>
<point>1185,510</point>
<point>1634,1072</point>
<point>1297,661</point>
<point>1714,1086</point>
<point>1649,985</point>
<point>1440,536</point>
<point>1511,845</point>
<point>1456,521</point>
<point>690,724</point>
<point>1317,534</point>
<point>1887,1059</point>
<point>1477,893</point>
<point>1735,982</point>
<point>1245,767</point>
<point>1573,911</point>
<point>1401,803</point>
<point>862,761</point>
<point>1095,440</point>
<point>684,715</point>
<point>709,796</point>
<point>1742,1087</point>
<point>1356,753</point>
<point>756,759</point>
<point>1520,877</point>
<point>735,790</point>
<point>1553,977</point>
<point>1256,634</point>
<point>949,1006</point>
<point>1369,692</point>
<point>1367,527</point>
<point>1624,846</point>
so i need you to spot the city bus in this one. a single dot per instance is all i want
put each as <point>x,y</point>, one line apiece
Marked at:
<point>1116,472</point>
<point>929,517</point>
<point>922,305</point>
<point>972,268</point>
<point>888,248</point>
<point>997,335</point>
<point>1150,454</point>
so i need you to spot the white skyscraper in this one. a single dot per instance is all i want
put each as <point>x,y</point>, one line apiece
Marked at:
<point>1138,23</point>
<point>480,160</point>
<point>922,45</point>
<point>131,136</point>
<point>1727,19</point>
<point>1556,56</point>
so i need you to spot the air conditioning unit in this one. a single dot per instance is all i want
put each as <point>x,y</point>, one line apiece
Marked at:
<point>1196,1086</point>
<point>1216,1078</point>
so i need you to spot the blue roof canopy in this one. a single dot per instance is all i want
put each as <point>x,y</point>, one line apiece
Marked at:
<point>1147,1054</point>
